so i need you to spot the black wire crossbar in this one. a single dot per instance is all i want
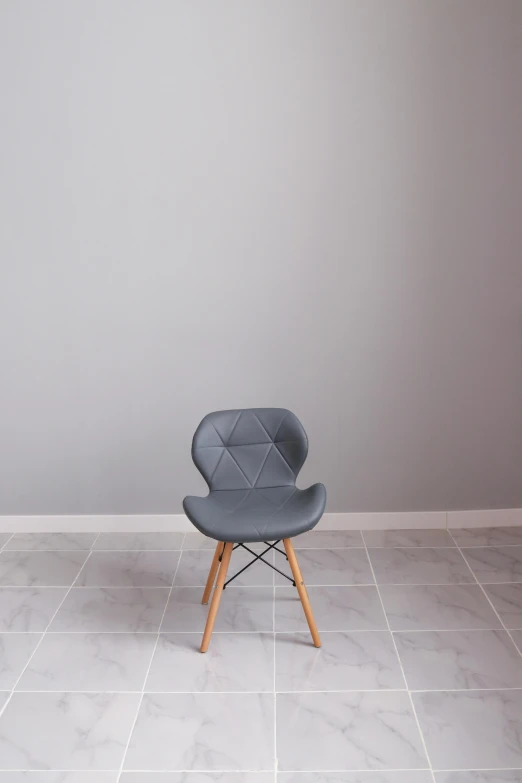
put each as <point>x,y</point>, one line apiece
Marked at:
<point>259,557</point>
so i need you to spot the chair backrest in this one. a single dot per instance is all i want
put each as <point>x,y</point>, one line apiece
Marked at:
<point>254,447</point>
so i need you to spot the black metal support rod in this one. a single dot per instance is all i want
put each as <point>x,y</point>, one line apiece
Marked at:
<point>268,564</point>
<point>276,548</point>
<point>256,558</point>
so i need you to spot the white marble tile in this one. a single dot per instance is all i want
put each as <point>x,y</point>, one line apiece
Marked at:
<point>196,540</point>
<point>471,729</point>
<point>404,776</point>
<point>51,541</point>
<point>234,662</point>
<point>487,536</point>
<point>111,609</point>
<point>28,608</point>
<point>334,608</point>
<point>421,565</point>
<point>343,731</point>
<point>361,660</point>
<point>40,569</point>
<point>59,777</point>
<point>199,777</point>
<point>331,567</point>
<point>241,609</point>
<point>160,540</point>
<point>499,564</point>
<point>439,660</point>
<point>480,776</point>
<point>437,608</point>
<point>89,662</point>
<point>408,538</point>
<point>212,731</point>
<point>195,565</point>
<point>507,600</point>
<point>328,539</point>
<point>129,569</point>
<point>77,731</point>
<point>15,651</point>
<point>4,695</point>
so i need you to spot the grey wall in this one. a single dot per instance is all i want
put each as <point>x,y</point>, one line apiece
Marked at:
<point>314,204</point>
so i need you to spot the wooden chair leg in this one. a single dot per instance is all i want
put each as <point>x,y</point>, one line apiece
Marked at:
<point>301,589</point>
<point>216,598</point>
<point>212,573</point>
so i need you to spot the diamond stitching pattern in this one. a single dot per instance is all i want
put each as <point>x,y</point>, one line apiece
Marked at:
<point>236,467</point>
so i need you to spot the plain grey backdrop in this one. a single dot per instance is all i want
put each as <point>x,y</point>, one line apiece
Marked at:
<point>314,204</point>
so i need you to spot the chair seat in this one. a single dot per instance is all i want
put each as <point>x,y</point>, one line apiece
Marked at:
<point>257,514</point>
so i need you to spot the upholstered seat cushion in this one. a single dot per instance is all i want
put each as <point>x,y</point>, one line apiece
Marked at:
<point>258,514</point>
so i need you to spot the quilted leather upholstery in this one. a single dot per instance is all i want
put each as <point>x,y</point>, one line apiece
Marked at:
<point>250,460</point>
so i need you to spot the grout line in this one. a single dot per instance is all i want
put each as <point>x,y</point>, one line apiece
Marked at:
<point>266,632</point>
<point>245,771</point>
<point>148,669</point>
<point>268,692</point>
<point>44,632</point>
<point>490,602</point>
<point>421,735</point>
<point>242,587</point>
<point>292,632</point>
<point>268,771</point>
<point>135,551</point>
<point>297,549</point>
<point>488,546</point>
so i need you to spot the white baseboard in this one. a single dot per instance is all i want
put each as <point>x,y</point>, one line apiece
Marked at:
<point>496,517</point>
<point>86,523</point>
<point>383,520</point>
<point>330,521</point>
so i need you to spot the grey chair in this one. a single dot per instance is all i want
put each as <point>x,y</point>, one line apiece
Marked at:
<point>250,460</point>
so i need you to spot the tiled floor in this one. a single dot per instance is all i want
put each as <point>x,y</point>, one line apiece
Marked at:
<point>419,679</point>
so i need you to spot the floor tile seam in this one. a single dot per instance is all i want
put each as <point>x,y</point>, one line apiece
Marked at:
<point>140,700</point>
<point>283,632</point>
<point>401,668</point>
<point>12,690</point>
<point>256,770</point>
<point>266,633</point>
<point>489,546</point>
<point>242,587</point>
<point>490,602</point>
<point>266,692</point>
<point>178,586</point>
<point>297,549</point>
<point>269,771</point>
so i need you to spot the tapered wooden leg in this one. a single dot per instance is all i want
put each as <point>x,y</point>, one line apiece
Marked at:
<point>301,589</point>
<point>216,598</point>
<point>212,573</point>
